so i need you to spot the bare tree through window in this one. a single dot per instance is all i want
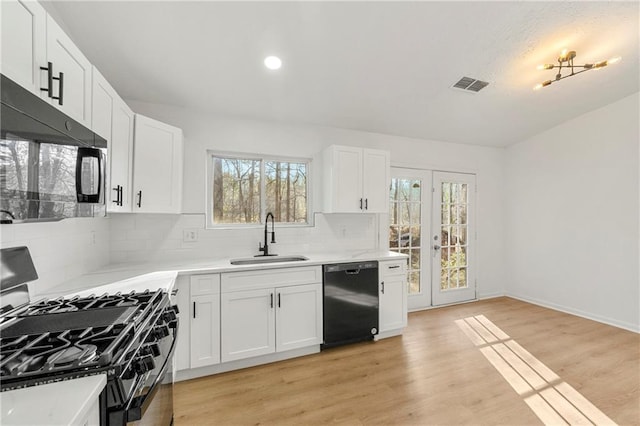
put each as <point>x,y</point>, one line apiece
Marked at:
<point>244,190</point>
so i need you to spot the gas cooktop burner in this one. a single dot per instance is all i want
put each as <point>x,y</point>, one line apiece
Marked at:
<point>77,353</point>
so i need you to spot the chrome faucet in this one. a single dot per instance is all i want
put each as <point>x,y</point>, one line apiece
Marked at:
<point>265,249</point>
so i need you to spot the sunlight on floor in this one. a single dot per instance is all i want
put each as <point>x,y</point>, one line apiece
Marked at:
<point>552,400</point>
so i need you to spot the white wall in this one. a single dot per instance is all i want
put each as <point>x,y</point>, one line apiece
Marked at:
<point>572,216</point>
<point>60,250</point>
<point>204,131</point>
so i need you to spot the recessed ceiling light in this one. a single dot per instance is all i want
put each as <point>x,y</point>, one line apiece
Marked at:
<point>272,62</point>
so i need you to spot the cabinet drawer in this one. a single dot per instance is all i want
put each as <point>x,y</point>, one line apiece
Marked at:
<point>393,267</point>
<point>264,278</point>
<point>205,284</point>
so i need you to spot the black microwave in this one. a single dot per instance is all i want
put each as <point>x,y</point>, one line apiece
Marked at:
<point>51,166</point>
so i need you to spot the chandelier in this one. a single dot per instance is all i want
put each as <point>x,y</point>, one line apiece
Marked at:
<point>565,61</point>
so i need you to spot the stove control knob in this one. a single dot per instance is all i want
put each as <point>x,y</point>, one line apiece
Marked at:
<point>152,349</point>
<point>161,331</point>
<point>144,363</point>
<point>169,315</point>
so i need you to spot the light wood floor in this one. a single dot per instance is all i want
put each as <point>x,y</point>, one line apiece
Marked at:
<point>433,374</point>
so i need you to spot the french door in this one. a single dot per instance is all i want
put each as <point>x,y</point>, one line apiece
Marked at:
<point>409,218</point>
<point>431,220</point>
<point>453,238</point>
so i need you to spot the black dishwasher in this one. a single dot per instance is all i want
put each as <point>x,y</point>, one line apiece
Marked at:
<point>350,302</point>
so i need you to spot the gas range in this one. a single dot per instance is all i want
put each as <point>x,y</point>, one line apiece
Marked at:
<point>129,337</point>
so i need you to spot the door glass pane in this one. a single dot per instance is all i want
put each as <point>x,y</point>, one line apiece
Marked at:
<point>454,236</point>
<point>405,225</point>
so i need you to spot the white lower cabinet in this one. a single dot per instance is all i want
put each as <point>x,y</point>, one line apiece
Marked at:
<point>248,324</point>
<point>269,311</point>
<point>264,321</point>
<point>298,316</point>
<point>204,321</point>
<point>393,296</point>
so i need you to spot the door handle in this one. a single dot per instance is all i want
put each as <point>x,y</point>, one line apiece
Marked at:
<point>140,198</point>
<point>436,247</point>
<point>278,300</point>
<point>271,300</point>
<point>360,203</point>
<point>382,287</point>
<point>194,309</point>
<point>366,204</point>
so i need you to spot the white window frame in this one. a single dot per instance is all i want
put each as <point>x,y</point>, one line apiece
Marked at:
<point>263,203</point>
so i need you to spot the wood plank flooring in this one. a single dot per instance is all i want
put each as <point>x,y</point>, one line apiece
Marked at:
<point>433,374</point>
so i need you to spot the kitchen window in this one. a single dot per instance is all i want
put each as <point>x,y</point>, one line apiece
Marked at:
<point>242,189</point>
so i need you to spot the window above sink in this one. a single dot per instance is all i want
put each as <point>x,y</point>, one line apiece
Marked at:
<point>242,188</point>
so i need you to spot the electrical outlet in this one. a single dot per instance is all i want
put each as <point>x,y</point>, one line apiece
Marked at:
<point>189,235</point>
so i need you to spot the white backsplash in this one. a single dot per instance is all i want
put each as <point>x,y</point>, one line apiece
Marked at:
<point>60,250</point>
<point>157,238</point>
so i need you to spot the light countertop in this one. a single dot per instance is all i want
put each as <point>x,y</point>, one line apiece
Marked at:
<point>152,276</point>
<point>62,403</point>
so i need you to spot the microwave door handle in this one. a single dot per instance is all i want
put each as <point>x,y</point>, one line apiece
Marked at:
<point>135,411</point>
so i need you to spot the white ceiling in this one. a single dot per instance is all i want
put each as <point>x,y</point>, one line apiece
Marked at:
<point>383,67</point>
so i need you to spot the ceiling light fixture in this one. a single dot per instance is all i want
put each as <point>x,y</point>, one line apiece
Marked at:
<point>272,62</point>
<point>565,60</point>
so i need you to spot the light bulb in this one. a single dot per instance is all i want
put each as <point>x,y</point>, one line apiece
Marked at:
<point>545,67</point>
<point>272,62</point>
<point>614,60</point>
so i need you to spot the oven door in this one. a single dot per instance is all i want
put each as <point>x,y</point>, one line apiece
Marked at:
<point>152,403</point>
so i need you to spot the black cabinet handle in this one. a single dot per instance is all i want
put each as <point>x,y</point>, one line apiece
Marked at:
<point>60,79</point>
<point>49,88</point>
<point>360,203</point>
<point>121,197</point>
<point>382,287</point>
<point>394,267</point>
<point>272,300</point>
<point>278,300</point>
<point>194,309</point>
<point>139,198</point>
<point>118,199</point>
<point>366,204</point>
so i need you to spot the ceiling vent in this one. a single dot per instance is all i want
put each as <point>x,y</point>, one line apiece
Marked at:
<point>469,84</point>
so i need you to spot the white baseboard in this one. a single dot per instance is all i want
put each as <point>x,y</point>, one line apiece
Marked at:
<point>490,296</point>
<point>605,320</point>
<point>193,373</point>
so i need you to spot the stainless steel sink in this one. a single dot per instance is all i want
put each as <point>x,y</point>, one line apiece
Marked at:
<point>267,259</point>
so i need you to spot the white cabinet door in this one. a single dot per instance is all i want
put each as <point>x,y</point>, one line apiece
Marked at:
<point>121,158</point>
<point>66,58</point>
<point>102,100</point>
<point>157,167</point>
<point>24,42</point>
<point>183,348</point>
<point>376,180</point>
<point>205,330</point>
<point>393,303</point>
<point>248,324</point>
<point>298,316</point>
<point>393,295</point>
<point>113,120</point>
<point>343,184</point>
<point>356,180</point>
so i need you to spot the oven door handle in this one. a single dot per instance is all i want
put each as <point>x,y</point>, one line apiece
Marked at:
<point>138,405</point>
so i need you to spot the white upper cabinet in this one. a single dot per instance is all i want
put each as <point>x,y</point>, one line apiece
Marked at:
<point>157,167</point>
<point>72,75</point>
<point>356,180</point>
<point>113,120</point>
<point>24,43</point>
<point>31,40</point>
